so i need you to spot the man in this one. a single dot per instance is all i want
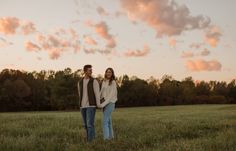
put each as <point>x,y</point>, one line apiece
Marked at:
<point>88,89</point>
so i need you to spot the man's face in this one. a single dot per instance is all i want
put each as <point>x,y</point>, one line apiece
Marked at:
<point>89,72</point>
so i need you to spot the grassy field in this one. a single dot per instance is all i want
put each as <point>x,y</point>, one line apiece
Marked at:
<point>198,127</point>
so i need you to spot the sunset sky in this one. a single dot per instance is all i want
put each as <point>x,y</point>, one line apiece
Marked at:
<point>140,38</point>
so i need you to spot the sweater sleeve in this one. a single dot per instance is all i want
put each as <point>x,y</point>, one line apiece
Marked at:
<point>78,89</point>
<point>96,91</point>
<point>110,96</point>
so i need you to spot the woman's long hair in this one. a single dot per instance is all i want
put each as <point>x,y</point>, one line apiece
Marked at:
<point>112,76</point>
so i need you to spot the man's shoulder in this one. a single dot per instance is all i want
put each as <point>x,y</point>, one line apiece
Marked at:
<point>80,81</point>
<point>95,80</point>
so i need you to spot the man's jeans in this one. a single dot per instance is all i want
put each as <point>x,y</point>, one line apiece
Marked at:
<point>107,122</point>
<point>88,115</point>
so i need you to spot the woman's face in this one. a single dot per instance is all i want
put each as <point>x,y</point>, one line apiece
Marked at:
<point>108,74</point>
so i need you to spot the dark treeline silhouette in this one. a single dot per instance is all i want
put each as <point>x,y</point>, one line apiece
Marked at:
<point>57,90</point>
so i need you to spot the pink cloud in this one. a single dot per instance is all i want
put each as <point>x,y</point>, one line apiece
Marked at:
<point>212,35</point>
<point>53,41</point>
<point>58,42</point>
<point>90,40</point>
<point>31,46</point>
<point>76,46</point>
<point>73,33</point>
<point>8,25</point>
<point>89,23</point>
<point>102,30</point>
<point>187,54</point>
<point>105,51</point>
<point>54,53</point>
<point>172,42</point>
<point>165,16</point>
<point>40,38</point>
<point>205,52</point>
<point>138,53</point>
<point>27,27</point>
<point>60,32</point>
<point>197,45</point>
<point>202,65</point>
<point>111,43</point>
<point>42,41</point>
<point>101,51</point>
<point>89,51</point>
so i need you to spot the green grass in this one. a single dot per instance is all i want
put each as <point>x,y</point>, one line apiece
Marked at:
<point>198,127</point>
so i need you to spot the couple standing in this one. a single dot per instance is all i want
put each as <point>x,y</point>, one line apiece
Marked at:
<point>93,95</point>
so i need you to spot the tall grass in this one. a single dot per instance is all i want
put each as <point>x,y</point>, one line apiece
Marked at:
<point>197,127</point>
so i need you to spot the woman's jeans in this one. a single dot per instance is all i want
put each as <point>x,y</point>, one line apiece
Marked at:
<point>107,122</point>
<point>88,115</point>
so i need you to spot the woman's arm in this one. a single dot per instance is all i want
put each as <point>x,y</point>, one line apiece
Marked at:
<point>111,95</point>
<point>78,89</point>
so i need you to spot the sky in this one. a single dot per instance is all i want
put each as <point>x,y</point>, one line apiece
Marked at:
<point>140,38</point>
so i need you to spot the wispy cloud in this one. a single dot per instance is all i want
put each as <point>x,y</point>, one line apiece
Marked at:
<point>165,16</point>
<point>213,35</point>
<point>205,52</point>
<point>138,53</point>
<point>102,30</point>
<point>101,11</point>
<point>191,54</point>
<point>197,45</point>
<point>27,27</point>
<point>31,46</point>
<point>55,43</point>
<point>172,42</point>
<point>104,51</point>
<point>203,65</point>
<point>187,54</point>
<point>8,25</point>
<point>55,53</point>
<point>89,40</point>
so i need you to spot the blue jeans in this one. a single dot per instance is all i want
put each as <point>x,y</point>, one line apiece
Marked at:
<point>107,122</point>
<point>88,115</point>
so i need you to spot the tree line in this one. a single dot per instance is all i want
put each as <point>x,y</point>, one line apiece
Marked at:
<point>57,90</point>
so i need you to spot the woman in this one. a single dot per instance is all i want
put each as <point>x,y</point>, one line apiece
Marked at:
<point>109,96</point>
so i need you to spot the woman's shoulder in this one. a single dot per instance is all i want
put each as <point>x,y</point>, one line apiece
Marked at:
<point>107,82</point>
<point>114,82</point>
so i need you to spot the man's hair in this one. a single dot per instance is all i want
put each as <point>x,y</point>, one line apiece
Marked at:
<point>87,66</point>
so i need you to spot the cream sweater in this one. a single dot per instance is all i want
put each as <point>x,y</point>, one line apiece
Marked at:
<point>109,92</point>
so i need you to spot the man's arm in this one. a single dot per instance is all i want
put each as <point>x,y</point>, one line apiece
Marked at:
<point>96,92</point>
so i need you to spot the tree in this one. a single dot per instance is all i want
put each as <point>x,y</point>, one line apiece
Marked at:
<point>232,91</point>
<point>169,91</point>
<point>188,91</point>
